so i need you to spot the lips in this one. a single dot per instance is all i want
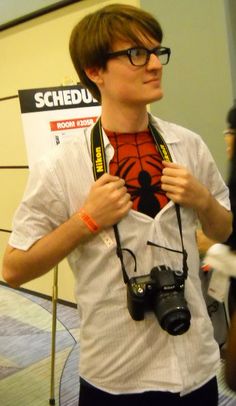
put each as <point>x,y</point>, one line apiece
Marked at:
<point>155,80</point>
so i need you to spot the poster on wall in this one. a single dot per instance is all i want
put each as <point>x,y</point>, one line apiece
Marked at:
<point>52,115</point>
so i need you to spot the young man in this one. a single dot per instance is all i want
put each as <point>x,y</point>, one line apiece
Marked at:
<point>70,210</point>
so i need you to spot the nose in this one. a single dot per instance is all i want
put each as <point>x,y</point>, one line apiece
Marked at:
<point>154,62</point>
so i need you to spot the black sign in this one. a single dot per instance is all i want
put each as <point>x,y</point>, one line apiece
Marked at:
<point>55,98</point>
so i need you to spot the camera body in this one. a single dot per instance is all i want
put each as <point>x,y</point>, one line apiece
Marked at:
<point>161,291</point>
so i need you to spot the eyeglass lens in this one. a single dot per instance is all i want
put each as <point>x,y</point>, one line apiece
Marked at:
<point>140,56</point>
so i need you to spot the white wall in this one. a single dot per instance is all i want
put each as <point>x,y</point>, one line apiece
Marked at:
<point>230,8</point>
<point>33,54</point>
<point>197,82</point>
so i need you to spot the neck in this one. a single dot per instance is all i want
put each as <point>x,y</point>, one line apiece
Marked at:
<point>124,119</point>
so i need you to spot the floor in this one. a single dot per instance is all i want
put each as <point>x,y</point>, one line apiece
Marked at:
<point>26,353</point>
<point>26,350</point>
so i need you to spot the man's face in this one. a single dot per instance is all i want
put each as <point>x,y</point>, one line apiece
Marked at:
<point>125,83</point>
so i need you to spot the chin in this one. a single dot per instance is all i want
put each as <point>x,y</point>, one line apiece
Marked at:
<point>156,97</point>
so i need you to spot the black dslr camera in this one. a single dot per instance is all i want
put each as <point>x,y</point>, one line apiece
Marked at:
<point>162,291</point>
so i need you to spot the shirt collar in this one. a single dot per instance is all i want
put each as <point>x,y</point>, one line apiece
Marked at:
<point>166,129</point>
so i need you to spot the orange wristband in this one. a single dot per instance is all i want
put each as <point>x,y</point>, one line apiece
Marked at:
<point>88,221</point>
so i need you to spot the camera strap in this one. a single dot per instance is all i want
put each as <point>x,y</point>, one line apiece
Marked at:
<point>100,167</point>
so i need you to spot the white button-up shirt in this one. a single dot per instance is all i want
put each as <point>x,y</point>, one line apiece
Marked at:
<point>118,354</point>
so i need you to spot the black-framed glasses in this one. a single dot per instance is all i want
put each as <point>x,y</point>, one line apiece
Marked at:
<point>229,131</point>
<point>139,56</point>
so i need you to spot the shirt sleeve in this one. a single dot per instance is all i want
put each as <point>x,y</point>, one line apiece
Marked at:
<point>209,174</point>
<point>42,208</point>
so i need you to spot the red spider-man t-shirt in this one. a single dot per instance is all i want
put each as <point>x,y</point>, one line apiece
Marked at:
<point>138,162</point>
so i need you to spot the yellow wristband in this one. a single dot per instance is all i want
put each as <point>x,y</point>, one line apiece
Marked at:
<point>88,221</point>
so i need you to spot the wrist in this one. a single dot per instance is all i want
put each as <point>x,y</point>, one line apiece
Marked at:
<point>205,202</point>
<point>88,221</point>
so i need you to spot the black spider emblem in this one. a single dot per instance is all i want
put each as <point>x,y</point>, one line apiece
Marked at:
<point>148,203</point>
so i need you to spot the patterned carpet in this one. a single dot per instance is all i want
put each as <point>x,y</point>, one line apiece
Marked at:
<point>25,353</point>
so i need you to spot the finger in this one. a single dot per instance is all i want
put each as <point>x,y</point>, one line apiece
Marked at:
<point>106,178</point>
<point>120,195</point>
<point>171,171</point>
<point>120,183</point>
<point>180,173</point>
<point>168,164</point>
<point>127,198</point>
<point>177,181</point>
<point>175,198</point>
<point>171,189</point>
<point>127,204</point>
<point>168,180</point>
<point>123,200</point>
<point>116,185</point>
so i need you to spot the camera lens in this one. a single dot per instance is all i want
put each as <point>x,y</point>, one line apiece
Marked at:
<point>177,322</point>
<point>172,312</point>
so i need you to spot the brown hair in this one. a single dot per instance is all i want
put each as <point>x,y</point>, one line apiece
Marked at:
<point>231,118</point>
<point>93,37</point>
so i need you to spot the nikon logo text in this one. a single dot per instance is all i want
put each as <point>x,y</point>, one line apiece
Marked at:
<point>98,162</point>
<point>165,154</point>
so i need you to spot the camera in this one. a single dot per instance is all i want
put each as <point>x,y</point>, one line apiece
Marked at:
<point>161,291</point>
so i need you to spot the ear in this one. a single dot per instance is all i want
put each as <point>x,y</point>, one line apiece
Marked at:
<point>94,74</point>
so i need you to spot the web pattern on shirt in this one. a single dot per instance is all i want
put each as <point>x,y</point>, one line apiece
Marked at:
<point>139,163</point>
